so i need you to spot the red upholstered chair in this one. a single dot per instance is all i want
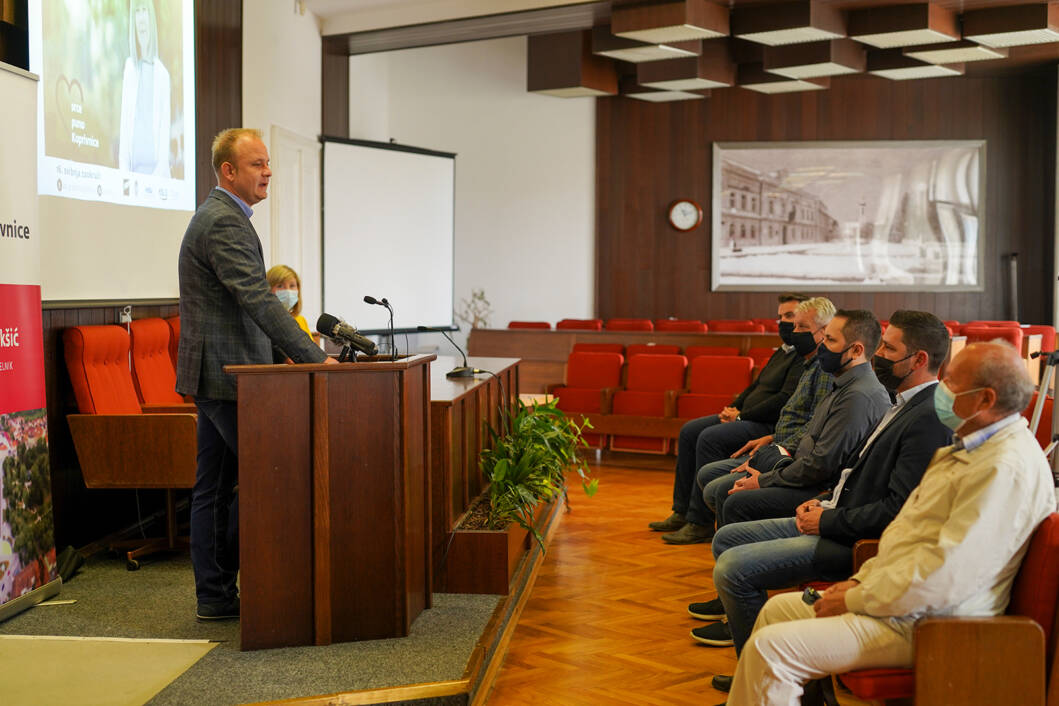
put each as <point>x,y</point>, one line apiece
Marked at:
<point>761,356</point>
<point>591,379</point>
<point>529,324</point>
<point>618,348</point>
<point>696,351</point>
<point>735,325</point>
<point>976,334</point>
<point>1044,427</point>
<point>771,325</point>
<point>629,325</point>
<point>713,382</point>
<point>1008,659</point>
<point>580,324</point>
<point>651,385</point>
<point>152,371</point>
<point>689,325</point>
<point>174,338</point>
<point>994,322</point>
<point>118,446</point>
<point>651,349</point>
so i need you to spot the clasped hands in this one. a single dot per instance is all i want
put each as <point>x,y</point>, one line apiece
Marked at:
<point>750,447</point>
<point>833,600</point>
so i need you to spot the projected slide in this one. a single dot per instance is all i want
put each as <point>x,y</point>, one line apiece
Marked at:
<point>116,100</point>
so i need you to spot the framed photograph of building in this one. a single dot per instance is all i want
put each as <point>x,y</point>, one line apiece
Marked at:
<point>852,216</point>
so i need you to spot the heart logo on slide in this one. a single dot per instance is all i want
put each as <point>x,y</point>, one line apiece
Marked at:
<point>64,95</point>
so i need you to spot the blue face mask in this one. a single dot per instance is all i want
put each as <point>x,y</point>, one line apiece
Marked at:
<point>288,297</point>
<point>944,398</point>
<point>831,362</point>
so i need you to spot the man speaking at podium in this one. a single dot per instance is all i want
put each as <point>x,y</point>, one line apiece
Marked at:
<point>228,316</point>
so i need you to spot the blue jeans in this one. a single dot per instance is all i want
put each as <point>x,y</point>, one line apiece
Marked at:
<point>214,503</point>
<point>755,557</point>
<point>714,481</point>
<point>703,441</point>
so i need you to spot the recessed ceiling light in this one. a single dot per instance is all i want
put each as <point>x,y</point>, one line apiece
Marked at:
<point>606,44</point>
<point>894,65</point>
<point>754,78</point>
<point>713,68</point>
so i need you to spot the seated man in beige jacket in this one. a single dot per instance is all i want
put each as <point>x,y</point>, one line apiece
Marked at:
<point>953,549</point>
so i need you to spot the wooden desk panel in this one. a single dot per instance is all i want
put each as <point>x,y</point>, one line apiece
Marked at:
<point>460,409</point>
<point>543,353</point>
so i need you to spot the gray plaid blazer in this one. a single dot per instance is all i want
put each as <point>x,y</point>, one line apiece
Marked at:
<point>228,316</point>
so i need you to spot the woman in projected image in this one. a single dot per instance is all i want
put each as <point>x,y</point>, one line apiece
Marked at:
<point>143,144</point>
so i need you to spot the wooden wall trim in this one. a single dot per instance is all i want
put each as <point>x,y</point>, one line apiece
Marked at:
<point>647,155</point>
<point>218,80</point>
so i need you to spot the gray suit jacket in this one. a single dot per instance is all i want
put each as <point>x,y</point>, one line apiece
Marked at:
<point>227,313</point>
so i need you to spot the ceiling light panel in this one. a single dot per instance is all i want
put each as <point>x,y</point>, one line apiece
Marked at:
<point>1013,25</point>
<point>665,96</point>
<point>787,23</point>
<point>955,53</point>
<point>835,57</point>
<point>562,64</point>
<point>670,21</point>
<point>753,77</point>
<point>903,25</point>
<point>604,43</point>
<point>713,68</point>
<point>895,65</point>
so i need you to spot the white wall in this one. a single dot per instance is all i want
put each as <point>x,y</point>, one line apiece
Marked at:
<point>525,170</point>
<point>281,86</point>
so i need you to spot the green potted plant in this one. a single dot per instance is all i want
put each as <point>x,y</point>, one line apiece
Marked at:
<point>526,469</point>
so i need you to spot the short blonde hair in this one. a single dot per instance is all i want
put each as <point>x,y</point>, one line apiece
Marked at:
<point>277,275</point>
<point>223,148</point>
<point>822,308</point>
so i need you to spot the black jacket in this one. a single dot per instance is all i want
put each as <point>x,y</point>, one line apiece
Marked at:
<point>887,472</point>
<point>763,399</point>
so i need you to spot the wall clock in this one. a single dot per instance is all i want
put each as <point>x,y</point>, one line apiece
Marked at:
<point>684,214</point>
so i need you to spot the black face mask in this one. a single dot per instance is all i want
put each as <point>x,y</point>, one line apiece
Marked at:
<point>831,362</point>
<point>786,332</point>
<point>884,370</point>
<point>803,342</point>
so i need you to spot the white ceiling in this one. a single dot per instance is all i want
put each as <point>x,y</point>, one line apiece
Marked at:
<point>343,16</point>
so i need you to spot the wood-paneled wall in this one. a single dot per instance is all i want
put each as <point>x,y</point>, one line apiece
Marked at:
<point>82,515</point>
<point>651,154</point>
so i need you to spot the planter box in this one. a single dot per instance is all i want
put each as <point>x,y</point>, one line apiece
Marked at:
<point>483,561</point>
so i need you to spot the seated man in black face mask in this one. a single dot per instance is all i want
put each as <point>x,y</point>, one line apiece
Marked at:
<point>778,479</point>
<point>756,557</point>
<point>752,414</point>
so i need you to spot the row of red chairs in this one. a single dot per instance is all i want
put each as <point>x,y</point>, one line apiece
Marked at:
<point>760,355</point>
<point>669,325</point>
<point>659,385</point>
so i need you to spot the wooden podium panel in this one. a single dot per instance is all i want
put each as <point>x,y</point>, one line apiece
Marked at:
<point>334,475</point>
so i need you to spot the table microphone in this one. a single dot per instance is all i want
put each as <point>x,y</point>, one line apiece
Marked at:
<point>462,371</point>
<point>336,328</point>
<point>368,299</point>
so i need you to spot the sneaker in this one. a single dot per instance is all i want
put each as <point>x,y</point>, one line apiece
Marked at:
<point>722,682</point>
<point>228,610</point>
<point>710,610</point>
<point>714,635</point>
<point>689,534</point>
<point>670,524</point>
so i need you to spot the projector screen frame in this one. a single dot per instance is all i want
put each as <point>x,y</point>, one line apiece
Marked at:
<point>396,147</point>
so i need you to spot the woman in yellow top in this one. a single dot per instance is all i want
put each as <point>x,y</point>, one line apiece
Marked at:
<point>287,286</point>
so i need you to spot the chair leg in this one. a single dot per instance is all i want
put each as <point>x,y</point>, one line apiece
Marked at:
<point>170,542</point>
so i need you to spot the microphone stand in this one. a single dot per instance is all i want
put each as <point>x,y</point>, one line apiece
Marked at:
<point>393,342</point>
<point>347,354</point>
<point>462,371</point>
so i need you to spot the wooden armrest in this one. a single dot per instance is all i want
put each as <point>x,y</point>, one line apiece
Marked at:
<point>550,389</point>
<point>670,402</point>
<point>606,399</point>
<point>979,661</point>
<point>169,408</point>
<point>135,450</point>
<point>863,550</point>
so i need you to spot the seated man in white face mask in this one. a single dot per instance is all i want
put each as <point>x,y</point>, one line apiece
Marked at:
<point>953,549</point>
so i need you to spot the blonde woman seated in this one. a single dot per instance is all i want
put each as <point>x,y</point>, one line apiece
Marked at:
<point>287,287</point>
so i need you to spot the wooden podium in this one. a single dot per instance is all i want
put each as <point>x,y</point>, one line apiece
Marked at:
<point>334,500</point>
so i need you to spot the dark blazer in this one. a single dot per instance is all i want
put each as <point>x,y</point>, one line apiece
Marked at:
<point>227,313</point>
<point>887,472</point>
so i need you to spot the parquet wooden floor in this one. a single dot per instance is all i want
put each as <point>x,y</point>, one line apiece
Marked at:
<point>607,620</point>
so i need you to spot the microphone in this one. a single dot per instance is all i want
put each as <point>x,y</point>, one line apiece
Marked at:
<point>459,372</point>
<point>336,328</point>
<point>368,299</point>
